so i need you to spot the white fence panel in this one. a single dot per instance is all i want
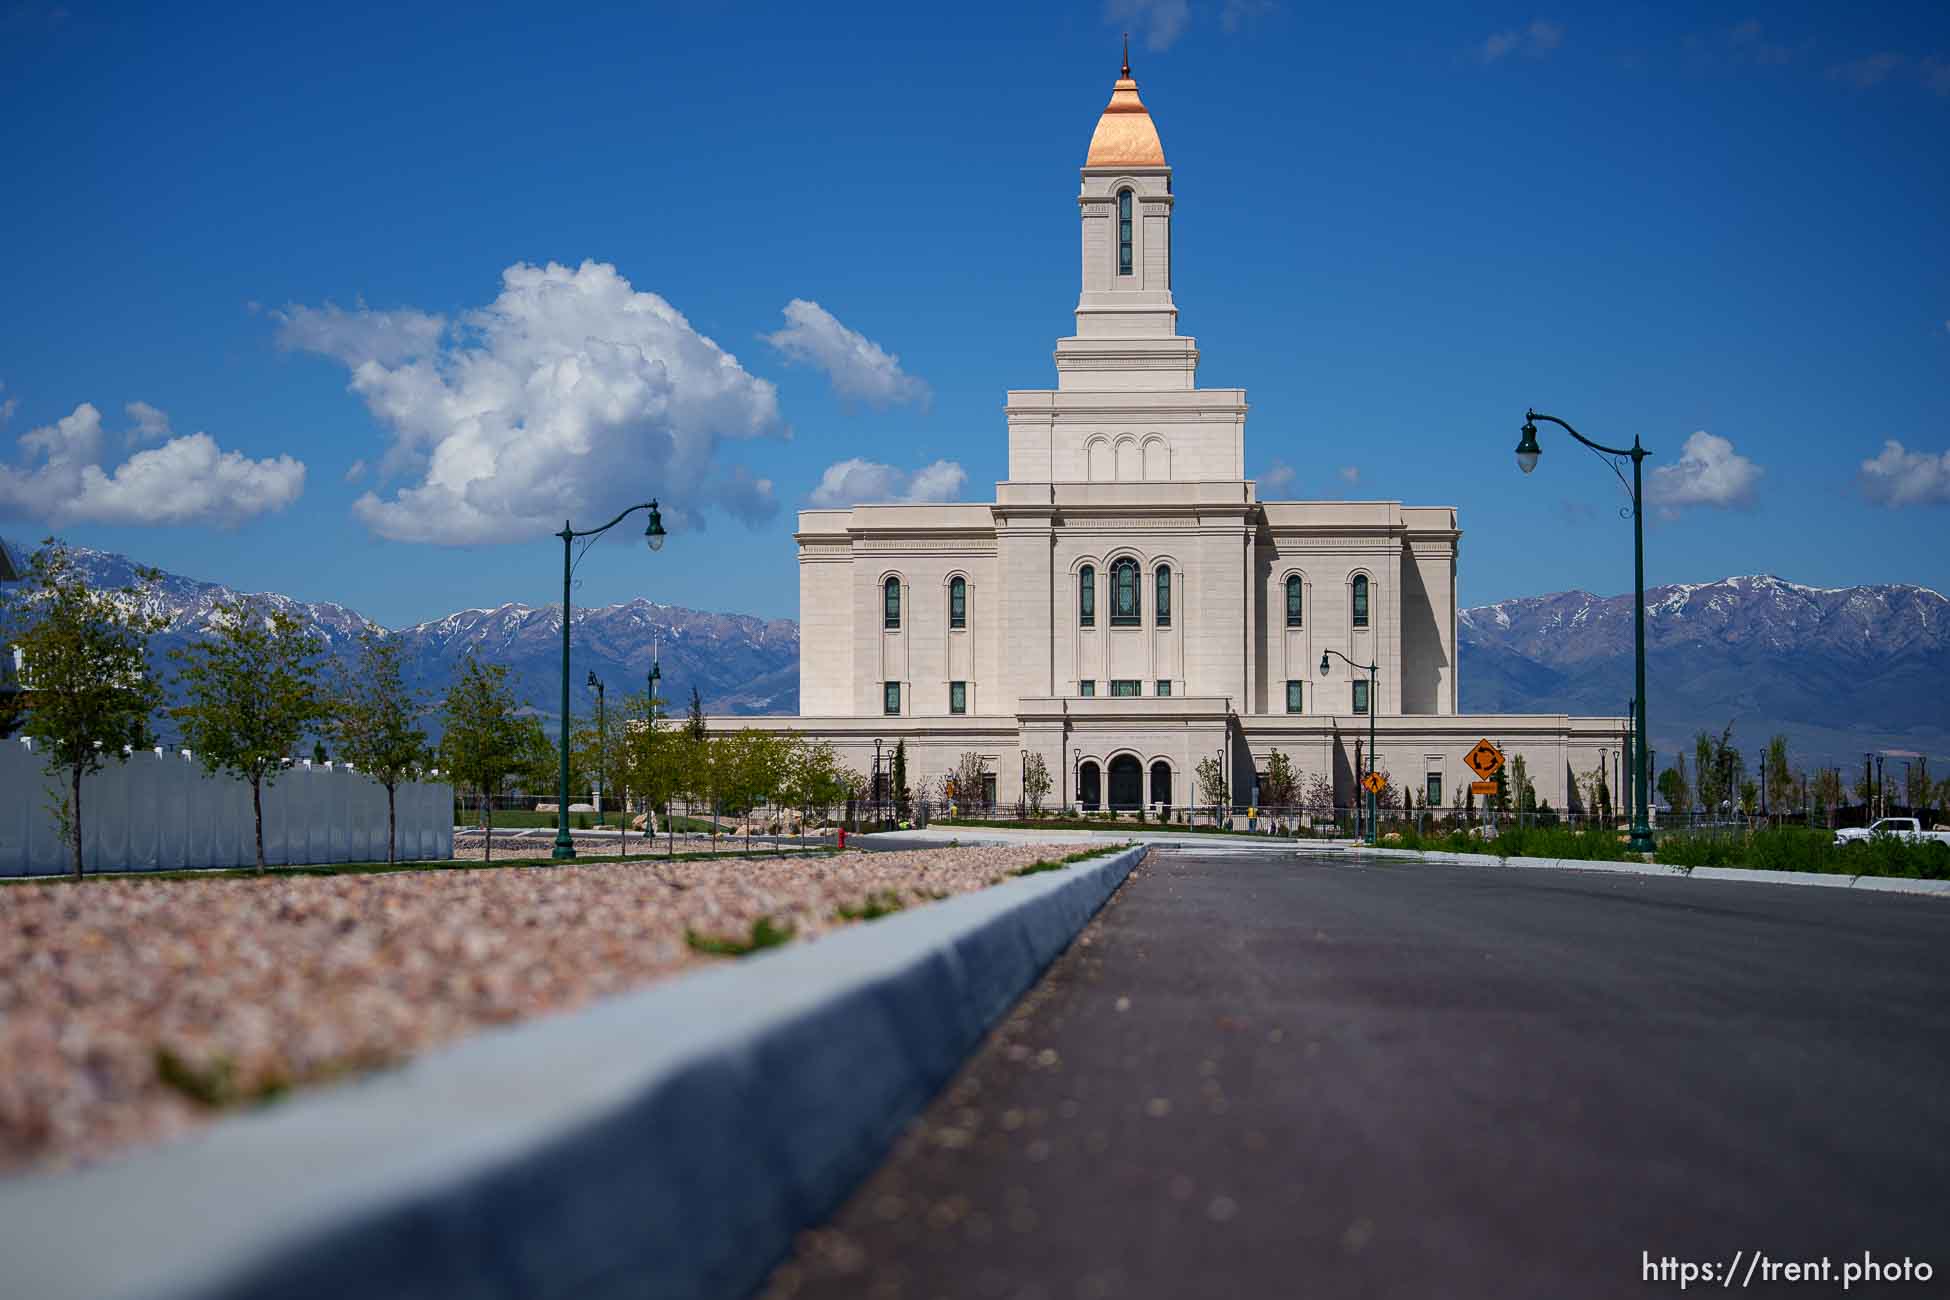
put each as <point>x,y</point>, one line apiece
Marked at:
<point>162,811</point>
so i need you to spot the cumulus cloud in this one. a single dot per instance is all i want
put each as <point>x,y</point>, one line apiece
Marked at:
<point>355,337</point>
<point>151,424</point>
<point>1900,477</point>
<point>1278,477</point>
<point>1709,472</point>
<point>855,481</point>
<point>857,366</point>
<point>1157,22</point>
<point>7,406</point>
<point>1534,41</point>
<point>187,480</point>
<point>571,395</point>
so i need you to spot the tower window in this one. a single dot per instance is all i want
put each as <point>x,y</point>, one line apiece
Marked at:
<point>1164,595</point>
<point>1087,596</point>
<point>1361,697</point>
<point>958,603</point>
<point>1361,600</point>
<point>1124,688</point>
<point>1293,601</point>
<point>1124,602</point>
<point>1293,697</point>
<point>892,617</point>
<point>890,699</point>
<point>1123,232</point>
<point>957,697</point>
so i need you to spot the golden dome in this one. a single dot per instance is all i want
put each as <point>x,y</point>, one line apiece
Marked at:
<point>1125,135</point>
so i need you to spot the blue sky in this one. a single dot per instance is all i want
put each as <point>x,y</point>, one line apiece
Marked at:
<point>288,230</point>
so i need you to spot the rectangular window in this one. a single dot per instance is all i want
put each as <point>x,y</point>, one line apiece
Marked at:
<point>1360,697</point>
<point>1435,789</point>
<point>1361,601</point>
<point>890,699</point>
<point>1164,596</point>
<point>1293,697</point>
<point>1087,689</point>
<point>1124,232</point>
<point>957,697</point>
<point>1124,687</point>
<point>1087,597</point>
<point>1164,686</point>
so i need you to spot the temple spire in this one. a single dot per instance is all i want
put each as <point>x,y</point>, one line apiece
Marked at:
<point>1126,74</point>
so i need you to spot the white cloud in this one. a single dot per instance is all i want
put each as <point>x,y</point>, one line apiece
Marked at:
<point>151,424</point>
<point>857,366</point>
<point>1534,41</point>
<point>855,481</point>
<point>1869,70</point>
<point>1157,22</point>
<point>187,480</point>
<point>1709,472</point>
<point>571,395</point>
<point>1278,477</point>
<point>1350,474</point>
<point>360,335</point>
<point>7,407</point>
<point>355,471</point>
<point>1899,477</point>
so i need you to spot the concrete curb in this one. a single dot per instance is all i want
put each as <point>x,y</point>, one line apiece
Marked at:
<point>663,1143</point>
<point>1884,884</point>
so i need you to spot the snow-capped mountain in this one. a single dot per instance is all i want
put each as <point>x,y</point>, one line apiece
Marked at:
<point>1838,669</point>
<point>738,664</point>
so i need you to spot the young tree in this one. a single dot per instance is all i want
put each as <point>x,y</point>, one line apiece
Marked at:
<point>1279,787</point>
<point>375,722</point>
<point>484,740</point>
<point>1316,794</point>
<point>970,780</point>
<point>1919,790</point>
<point>1780,775</point>
<point>85,656</point>
<point>251,695</point>
<point>1213,788</point>
<point>694,723</point>
<point>900,780</point>
<point>1035,783</point>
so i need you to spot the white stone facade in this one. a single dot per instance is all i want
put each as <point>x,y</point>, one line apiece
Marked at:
<point>1126,596</point>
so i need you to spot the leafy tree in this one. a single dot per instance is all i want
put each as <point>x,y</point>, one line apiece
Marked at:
<point>695,722</point>
<point>1672,786</point>
<point>1749,796</point>
<point>1035,783</point>
<point>84,655</point>
<point>900,780</point>
<point>1518,787</point>
<point>1213,787</point>
<point>251,695</point>
<point>1278,785</point>
<point>1919,789</point>
<point>375,722</point>
<point>1780,775</point>
<point>485,741</point>
<point>1720,767</point>
<point>538,766</point>
<point>969,780</point>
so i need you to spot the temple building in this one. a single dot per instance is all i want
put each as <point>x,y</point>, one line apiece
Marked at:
<point>1127,605</point>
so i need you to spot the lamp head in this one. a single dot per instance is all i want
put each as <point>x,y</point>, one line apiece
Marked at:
<point>1323,665</point>
<point>1527,450</point>
<point>593,683</point>
<point>654,534</point>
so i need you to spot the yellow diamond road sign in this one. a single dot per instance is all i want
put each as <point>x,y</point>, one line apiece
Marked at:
<point>1375,782</point>
<point>1484,760</point>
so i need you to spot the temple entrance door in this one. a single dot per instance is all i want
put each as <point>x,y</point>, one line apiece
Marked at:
<point>1088,795</point>
<point>1126,783</point>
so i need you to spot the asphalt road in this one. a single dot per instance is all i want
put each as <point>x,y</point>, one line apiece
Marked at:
<point>1263,1076</point>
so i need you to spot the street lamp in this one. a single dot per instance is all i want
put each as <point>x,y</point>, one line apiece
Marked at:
<point>1369,669</point>
<point>1527,453</point>
<point>602,742</point>
<point>653,535</point>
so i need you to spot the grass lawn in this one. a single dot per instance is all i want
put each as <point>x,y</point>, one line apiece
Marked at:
<point>520,819</point>
<point>1092,824</point>
<point>1774,848</point>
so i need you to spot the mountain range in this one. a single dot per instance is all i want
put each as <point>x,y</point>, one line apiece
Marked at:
<point>1838,670</point>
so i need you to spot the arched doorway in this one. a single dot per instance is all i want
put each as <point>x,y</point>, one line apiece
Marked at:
<point>1161,783</point>
<point>1126,782</point>
<point>1088,791</point>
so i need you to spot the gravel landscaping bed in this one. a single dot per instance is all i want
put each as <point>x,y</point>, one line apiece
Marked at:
<point>132,1009</point>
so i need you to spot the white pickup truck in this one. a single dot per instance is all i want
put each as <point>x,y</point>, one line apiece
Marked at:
<point>1907,829</point>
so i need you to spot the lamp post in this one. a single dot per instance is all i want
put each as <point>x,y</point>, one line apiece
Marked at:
<point>602,742</point>
<point>1631,768</point>
<point>876,780</point>
<point>1369,669</point>
<point>650,681</point>
<point>1527,453</point>
<point>653,536</point>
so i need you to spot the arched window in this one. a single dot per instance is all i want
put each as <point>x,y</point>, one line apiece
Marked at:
<point>892,617</point>
<point>1125,605</point>
<point>1086,597</point>
<point>1293,601</point>
<point>1164,595</point>
<point>1123,232</point>
<point>1360,600</point>
<point>958,603</point>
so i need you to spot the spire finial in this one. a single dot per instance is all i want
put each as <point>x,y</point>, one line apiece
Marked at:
<point>1127,56</point>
